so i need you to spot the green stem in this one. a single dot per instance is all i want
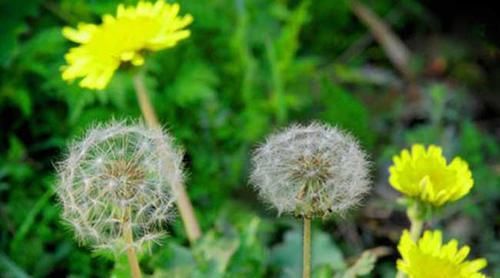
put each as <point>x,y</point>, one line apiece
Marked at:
<point>416,226</point>
<point>307,249</point>
<point>414,213</point>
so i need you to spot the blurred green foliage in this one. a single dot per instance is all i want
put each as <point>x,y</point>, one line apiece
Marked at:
<point>249,67</point>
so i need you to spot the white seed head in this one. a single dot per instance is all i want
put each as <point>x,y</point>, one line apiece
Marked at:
<point>120,175</point>
<point>311,171</point>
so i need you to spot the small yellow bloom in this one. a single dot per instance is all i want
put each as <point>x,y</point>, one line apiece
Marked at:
<point>429,258</point>
<point>424,175</point>
<point>121,38</point>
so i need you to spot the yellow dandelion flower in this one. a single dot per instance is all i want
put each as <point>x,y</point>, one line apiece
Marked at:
<point>121,38</point>
<point>424,175</point>
<point>429,258</point>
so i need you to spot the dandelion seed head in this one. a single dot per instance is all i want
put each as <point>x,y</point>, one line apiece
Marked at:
<point>119,174</point>
<point>311,171</point>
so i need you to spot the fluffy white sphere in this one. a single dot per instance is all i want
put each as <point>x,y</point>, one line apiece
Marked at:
<point>311,171</point>
<point>119,175</point>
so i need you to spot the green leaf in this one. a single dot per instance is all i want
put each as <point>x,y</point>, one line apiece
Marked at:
<point>287,255</point>
<point>363,266</point>
<point>10,269</point>
<point>195,83</point>
<point>343,109</point>
<point>17,150</point>
<point>217,252</point>
<point>30,218</point>
<point>172,260</point>
<point>287,43</point>
<point>121,268</point>
<point>13,25</point>
<point>19,96</point>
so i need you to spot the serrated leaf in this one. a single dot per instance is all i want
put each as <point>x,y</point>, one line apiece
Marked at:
<point>217,251</point>
<point>363,266</point>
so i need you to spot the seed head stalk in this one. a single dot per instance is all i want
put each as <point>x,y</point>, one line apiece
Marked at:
<point>131,254</point>
<point>183,202</point>
<point>306,255</point>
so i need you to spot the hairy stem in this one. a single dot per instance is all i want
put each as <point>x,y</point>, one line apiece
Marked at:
<point>416,226</point>
<point>415,215</point>
<point>306,266</point>
<point>183,202</point>
<point>416,229</point>
<point>131,254</point>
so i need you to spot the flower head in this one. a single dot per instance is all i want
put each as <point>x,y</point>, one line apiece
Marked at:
<point>119,177</point>
<point>429,258</point>
<point>424,175</point>
<point>312,170</point>
<point>122,38</point>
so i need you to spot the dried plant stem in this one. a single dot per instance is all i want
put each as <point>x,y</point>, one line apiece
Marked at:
<point>397,52</point>
<point>306,273</point>
<point>183,202</point>
<point>147,109</point>
<point>131,254</point>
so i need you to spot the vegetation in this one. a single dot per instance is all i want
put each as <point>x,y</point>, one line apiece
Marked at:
<point>247,69</point>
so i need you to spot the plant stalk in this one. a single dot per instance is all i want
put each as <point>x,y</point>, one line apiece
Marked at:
<point>131,254</point>
<point>306,268</point>
<point>183,202</point>
<point>416,227</point>
<point>147,109</point>
<point>414,213</point>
